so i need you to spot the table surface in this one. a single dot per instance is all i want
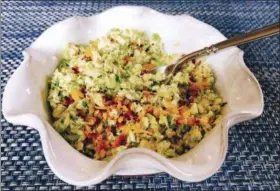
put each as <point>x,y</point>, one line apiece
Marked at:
<point>252,162</point>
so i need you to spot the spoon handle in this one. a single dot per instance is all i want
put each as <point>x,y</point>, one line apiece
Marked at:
<point>248,37</point>
<point>234,41</point>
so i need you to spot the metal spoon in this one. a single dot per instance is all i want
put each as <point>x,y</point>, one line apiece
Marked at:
<point>169,70</point>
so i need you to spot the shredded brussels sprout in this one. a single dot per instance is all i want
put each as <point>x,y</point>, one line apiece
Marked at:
<point>104,100</point>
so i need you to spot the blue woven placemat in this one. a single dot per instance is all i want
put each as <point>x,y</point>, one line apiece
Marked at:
<point>252,162</point>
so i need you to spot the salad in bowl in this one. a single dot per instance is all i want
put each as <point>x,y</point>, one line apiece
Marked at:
<point>104,100</point>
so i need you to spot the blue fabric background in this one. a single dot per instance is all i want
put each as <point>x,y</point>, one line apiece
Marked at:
<point>252,162</point>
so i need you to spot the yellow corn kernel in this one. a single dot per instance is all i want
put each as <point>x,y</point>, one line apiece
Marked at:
<point>88,52</point>
<point>76,94</point>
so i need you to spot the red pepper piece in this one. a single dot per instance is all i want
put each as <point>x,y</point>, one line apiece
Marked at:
<point>76,69</point>
<point>68,101</point>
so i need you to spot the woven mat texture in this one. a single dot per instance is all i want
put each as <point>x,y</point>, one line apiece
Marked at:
<point>252,162</point>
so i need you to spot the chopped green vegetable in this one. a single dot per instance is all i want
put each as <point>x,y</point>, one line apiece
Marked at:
<point>118,80</point>
<point>84,103</point>
<point>186,128</point>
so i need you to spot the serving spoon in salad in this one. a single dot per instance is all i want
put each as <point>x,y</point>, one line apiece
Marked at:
<point>169,70</point>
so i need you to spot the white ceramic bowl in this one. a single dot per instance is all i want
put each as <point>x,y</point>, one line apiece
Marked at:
<point>24,99</point>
